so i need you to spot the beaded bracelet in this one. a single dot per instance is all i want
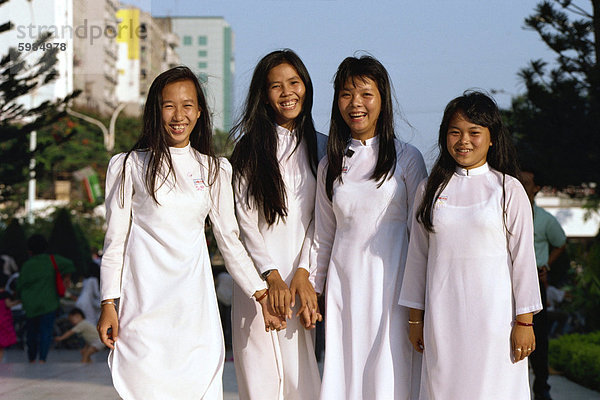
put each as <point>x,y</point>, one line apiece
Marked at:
<point>523,323</point>
<point>265,294</point>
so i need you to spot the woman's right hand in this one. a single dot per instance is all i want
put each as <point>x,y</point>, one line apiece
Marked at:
<point>280,297</point>
<point>109,320</point>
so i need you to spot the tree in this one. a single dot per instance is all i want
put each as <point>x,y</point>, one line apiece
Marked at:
<point>556,123</point>
<point>19,76</point>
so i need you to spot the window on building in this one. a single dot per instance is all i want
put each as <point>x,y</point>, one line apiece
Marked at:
<point>187,40</point>
<point>202,65</point>
<point>202,40</point>
<point>202,53</point>
<point>143,32</point>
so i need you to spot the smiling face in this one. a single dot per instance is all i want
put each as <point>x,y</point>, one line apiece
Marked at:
<point>467,143</point>
<point>180,112</point>
<point>359,103</point>
<point>285,94</point>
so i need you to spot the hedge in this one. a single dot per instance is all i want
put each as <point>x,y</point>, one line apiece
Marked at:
<point>578,356</point>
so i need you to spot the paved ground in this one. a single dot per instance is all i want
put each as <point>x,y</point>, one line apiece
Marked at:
<point>63,377</point>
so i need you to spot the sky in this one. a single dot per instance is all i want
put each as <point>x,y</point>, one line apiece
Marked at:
<point>432,49</point>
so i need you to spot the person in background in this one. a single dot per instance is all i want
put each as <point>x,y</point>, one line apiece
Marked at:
<point>470,279</point>
<point>274,162</point>
<point>89,298</point>
<point>550,242</point>
<point>8,336</point>
<point>36,287</point>
<point>365,190</point>
<point>88,332</point>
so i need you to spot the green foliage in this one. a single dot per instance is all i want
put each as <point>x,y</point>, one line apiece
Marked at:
<point>223,146</point>
<point>556,121</point>
<point>586,292</point>
<point>578,356</point>
<point>22,72</point>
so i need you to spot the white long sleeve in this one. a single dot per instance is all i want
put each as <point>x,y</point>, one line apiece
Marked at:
<point>324,229</point>
<point>248,219</point>
<point>413,174</point>
<point>526,289</point>
<point>118,220</point>
<point>226,232</point>
<point>414,282</point>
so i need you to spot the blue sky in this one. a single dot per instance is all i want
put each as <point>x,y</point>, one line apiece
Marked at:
<point>433,50</point>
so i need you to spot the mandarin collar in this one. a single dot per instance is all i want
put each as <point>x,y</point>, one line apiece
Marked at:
<point>473,171</point>
<point>180,150</point>
<point>368,143</point>
<point>283,131</point>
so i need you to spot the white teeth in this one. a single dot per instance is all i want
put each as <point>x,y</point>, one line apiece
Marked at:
<point>289,104</point>
<point>177,128</point>
<point>357,115</point>
<point>463,150</point>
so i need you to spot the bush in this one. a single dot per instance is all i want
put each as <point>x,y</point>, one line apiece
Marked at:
<point>578,356</point>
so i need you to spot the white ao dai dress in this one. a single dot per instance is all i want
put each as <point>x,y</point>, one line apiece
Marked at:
<point>170,342</point>
<point>472,278</point>
<point>361,240</point>
<point>277,365</point>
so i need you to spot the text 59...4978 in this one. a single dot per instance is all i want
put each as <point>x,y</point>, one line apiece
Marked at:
<point>41,46</point>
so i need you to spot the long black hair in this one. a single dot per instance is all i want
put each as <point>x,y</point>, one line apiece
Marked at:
<point>478,108</point>
<point>153,138</point>
<point>339,133</point>
<point>254,157</point>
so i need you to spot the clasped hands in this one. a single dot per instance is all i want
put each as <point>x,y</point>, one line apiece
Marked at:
<point>282,299</point>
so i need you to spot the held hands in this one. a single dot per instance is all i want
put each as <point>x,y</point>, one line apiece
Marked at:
<point>270,317</point>
<point>109,321</point>
<point>522,338</point>
<point>309,309</point>
<point>280,298</point>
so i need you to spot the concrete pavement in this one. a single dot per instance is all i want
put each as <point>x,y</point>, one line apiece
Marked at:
<point>63,377</point>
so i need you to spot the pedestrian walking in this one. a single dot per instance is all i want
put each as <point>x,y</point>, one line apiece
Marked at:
<point>550,242</point>
<point>36,287</point>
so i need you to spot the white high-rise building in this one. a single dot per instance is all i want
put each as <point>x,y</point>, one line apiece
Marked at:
<point>95,57</point>
<point>30,20</point>
<point>206,47</point>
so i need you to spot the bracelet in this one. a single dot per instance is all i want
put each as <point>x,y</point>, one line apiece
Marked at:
<point>103,303</point>
<point>523,323</point>
<point>262,296</point>
<point>414,322</point>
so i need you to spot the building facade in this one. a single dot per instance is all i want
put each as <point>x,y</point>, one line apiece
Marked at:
<point>31,20</point>
<point>207,48</point>
<point>146,47</point>
<point>95,55</point>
